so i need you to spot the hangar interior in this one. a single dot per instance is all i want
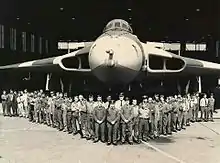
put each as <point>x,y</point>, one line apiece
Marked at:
<point>31,30</point>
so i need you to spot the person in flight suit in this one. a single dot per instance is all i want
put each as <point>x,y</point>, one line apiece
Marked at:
<point>211,105</point>
<point>37,107</point>
<point>153,119</point>
<point>174,114</point>
<point>4,103</point>
<point>164,110</point>
<point>31,105</point>
<point>169,113</point>
<point>127,116</point>
<point>181,117</point>
<point>90,120</point>
<point>69,116</point>
<point>82,115</point>
<point>64,108</point>
<point>135,120</point>
<point>113,116</point>
<point>15,104</point>
<point>99,115</point>
<point>118,105</point>
<point>75,115</point>
<point>144,117</point>
<point>59,103</point>
<point>43,109</point>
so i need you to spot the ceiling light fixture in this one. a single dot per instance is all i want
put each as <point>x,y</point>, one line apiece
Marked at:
<point>61,8</point>
<point>18,18</point>
<point>197,9</point>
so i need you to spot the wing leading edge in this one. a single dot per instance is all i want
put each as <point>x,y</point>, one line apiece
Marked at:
<point>53,64</point>
<point>184,65</point>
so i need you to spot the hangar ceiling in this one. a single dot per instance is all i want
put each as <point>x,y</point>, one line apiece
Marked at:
<point>84,20</point>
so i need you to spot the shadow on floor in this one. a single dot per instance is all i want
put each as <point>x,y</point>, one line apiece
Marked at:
<point>164,140</point>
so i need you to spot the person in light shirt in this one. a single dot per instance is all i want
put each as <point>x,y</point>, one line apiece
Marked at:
<point>203,106</point>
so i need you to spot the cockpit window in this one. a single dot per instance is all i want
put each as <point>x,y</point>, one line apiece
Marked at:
<point>117,24</point>
<point>125,26</point>
<point>109,26</point>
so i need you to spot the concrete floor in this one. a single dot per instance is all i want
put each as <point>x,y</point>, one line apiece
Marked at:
<point>25,142</point>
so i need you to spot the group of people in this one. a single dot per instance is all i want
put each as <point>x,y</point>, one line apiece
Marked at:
<point>120,121</point>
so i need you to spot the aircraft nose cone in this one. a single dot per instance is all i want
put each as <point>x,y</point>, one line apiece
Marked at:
<point>114,74</point>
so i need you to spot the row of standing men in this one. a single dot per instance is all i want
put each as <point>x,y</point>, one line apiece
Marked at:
<point>112,121</point>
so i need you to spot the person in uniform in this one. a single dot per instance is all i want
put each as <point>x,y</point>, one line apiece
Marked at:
<point>135,107</point>
<point>31,105</point>
<point>127,116</point>
<point>10,102</point>
<point>211,105</point>
<point>64,108</point>
<point>169,113</point>
<point>193,105</point>
<point>118,105</point>
<point>113,116</point>
<point>183,109</point>
<point>25,103</point>
<point>90,120</point>
<point>108,102</point>
<point>43,109</point>
<point>75,115</point>
<point>37,107</point>
<point>15,104</point>
<point>69,116</point>
<point>188,110</point>
<point>99,115</point>
<point>203,106</point>
<point>197,106</point>
<point>4,103</point>
<point>144,117</point>
<point>50,111</point>
<point>174,114</point>
<point>83,116</point>
<point>59,103</point>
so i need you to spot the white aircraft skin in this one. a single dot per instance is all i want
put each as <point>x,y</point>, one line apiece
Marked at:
<point>119,57</point>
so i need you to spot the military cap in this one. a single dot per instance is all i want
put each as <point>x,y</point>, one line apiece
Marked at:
<point>127,98</point>
<point>144,96</point>
<point>108,97</point>
<point>99,96</point>
<point>161,96</point>
<point>150,99</point>
<point>90,96</point>
<point>211,94</point>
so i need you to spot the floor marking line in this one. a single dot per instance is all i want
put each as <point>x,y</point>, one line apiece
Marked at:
<point>164,153</point>
<point>209,128</point>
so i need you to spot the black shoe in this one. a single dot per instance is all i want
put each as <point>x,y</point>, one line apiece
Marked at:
<point>115,143</point>
<point>88,138</point>
<point>174,130</point>
<point>183,128</point>
<point>169,133</point>
<point>95,141</point>
<point>131,143</point>
<point>108,143</point>
<point>75,133</point>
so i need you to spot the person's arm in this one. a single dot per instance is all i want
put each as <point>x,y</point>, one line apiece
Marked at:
<point>116,118</point>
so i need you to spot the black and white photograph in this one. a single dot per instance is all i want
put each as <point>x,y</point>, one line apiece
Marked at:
<point>109,81</point>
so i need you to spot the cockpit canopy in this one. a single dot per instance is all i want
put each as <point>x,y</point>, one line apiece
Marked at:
<point>118,24</point>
